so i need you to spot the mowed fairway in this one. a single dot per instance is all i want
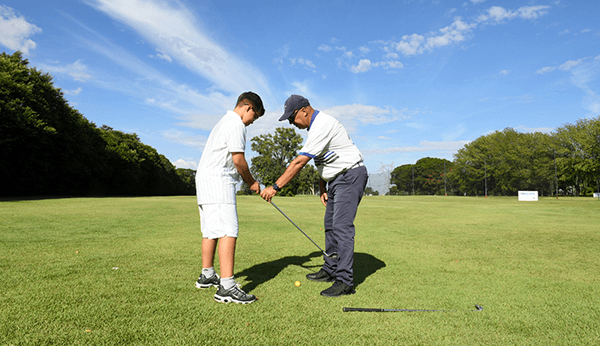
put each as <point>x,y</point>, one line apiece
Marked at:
<point>114,271</point>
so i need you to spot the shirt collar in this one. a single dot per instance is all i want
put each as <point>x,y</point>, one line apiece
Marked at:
<point>314,116</point>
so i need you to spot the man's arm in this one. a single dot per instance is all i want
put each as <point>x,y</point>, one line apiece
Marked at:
<point>290,172</point>
<point>324,197</point>
<point>239,160</point>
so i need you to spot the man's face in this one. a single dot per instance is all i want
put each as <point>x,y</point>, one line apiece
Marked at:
<point>299,118</point>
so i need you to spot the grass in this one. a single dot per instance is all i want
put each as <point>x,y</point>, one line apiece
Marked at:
<point>113,271</point>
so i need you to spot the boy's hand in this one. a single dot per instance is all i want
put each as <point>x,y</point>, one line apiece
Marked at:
<point>268,193</point>
<point>255,187</point>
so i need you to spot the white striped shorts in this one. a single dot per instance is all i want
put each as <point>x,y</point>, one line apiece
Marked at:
<point>218,220</point>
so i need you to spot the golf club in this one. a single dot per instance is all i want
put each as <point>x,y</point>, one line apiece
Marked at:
<point>331,255</point>
<point>477,307</point>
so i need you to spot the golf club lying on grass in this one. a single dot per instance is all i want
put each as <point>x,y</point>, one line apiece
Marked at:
<point>331,255</point>
<point>478,307</point>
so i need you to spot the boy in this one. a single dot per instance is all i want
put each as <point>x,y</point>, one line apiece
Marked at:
<point>219,170</point>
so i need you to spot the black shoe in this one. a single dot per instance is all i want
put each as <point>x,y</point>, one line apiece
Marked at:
<point>321,276</point>
<point>338,289</point>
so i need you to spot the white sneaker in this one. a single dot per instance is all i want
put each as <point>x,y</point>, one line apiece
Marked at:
<point>204,282</point>
<point>234,294</point>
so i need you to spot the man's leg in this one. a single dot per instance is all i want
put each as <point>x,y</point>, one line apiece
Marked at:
<point>347,190</point>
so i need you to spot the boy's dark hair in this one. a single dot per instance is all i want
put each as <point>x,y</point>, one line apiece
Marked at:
<point>255,99</point>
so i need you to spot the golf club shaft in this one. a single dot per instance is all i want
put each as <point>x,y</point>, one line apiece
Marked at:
<point>293,223</point>
<point>477,307</point>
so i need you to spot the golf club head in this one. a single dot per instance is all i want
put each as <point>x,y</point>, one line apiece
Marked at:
<point>331,255</point>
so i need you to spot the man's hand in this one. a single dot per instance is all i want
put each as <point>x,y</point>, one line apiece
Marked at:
<point>324,198</point>
<point>255,187</point>
<point>268,193</point>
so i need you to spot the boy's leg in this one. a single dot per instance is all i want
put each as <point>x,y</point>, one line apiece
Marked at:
<point>226,256</point>
<point>208,278</point>
<point>228,290</point>
<point>209,247</point>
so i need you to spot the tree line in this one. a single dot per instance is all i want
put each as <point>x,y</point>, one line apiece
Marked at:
<point>49,148</point>
<point>564,162</point>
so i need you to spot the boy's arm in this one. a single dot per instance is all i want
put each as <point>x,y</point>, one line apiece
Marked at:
<point>239,160</point>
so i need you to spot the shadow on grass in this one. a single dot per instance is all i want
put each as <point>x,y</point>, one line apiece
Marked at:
<point>364,266</point>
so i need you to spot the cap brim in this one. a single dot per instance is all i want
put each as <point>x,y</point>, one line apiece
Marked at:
<point>286,115</point>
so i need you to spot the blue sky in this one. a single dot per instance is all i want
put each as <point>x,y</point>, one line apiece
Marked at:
<point>408,79</point>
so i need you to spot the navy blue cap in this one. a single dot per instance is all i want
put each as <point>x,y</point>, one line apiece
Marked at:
<point>293,103</point>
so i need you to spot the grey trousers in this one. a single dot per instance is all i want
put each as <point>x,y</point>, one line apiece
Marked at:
<point>344,195</point>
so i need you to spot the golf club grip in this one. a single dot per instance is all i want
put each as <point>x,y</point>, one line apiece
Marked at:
<point>363,310</point>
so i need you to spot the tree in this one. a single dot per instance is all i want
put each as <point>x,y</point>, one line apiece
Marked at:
<point>401,177</point>
<point>428,174</point>
<point>275,152</point>
<point>578,154</point>
<point>49,148</point>
<point>508,161</point>
<point>370,192</point>
<point>308,180</point>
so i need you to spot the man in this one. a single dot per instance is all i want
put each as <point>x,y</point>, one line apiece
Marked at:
<point>340,165</point>
<point>219,170</point>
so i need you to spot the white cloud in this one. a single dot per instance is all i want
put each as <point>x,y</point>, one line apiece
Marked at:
<point>185,138</point>
<point>325,48</point>
<point>497,14</point>
<point>77,70</point>
<point>391,55</point>
<point>522,128</point>
<point>460,30</point>
<point>352,115</point>
<point>410,44</point>
<point>305,62</point>
<point>364,65</point>
<point>584,73</point>
<point>570,64</point>
<point>545,70</point>
<point>174,32</point>
<point>15,31</point>
<point>364,50</point>
<point>72,92</point>
<point>477,1</point>
<point>190,164</point>
<point>424,146</point>
<point>390,64</point>
<point>532,12</point>
<point>504,72</point>
<point>162,55</point>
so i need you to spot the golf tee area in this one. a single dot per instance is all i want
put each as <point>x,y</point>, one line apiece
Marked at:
<point>121,271</point>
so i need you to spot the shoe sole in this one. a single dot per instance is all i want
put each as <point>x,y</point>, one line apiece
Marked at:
<point>338,295</point>
<point>203,286</point>
<point>227,300</point>
<point>322,280</point>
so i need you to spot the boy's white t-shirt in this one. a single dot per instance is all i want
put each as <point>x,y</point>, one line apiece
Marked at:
<point>330,146</point>
<point>217,176</point>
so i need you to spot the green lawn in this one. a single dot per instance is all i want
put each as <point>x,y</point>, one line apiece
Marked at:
<point>113,271</point>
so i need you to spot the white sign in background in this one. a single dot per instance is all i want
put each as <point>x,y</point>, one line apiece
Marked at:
<point>528,195</point>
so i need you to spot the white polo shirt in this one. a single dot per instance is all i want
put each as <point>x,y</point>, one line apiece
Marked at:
<point>217,176</point>
<point>330,146</point>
